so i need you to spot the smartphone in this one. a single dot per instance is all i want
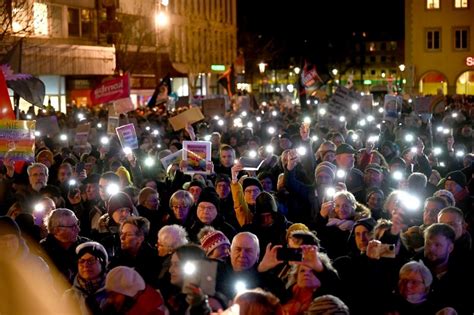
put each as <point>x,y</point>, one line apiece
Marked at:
<point>250,164</point>
<point>387,250</point>
<point>80,167</point>
<point>290,254</point>
<point>204,276</point>
<point>73,188</point>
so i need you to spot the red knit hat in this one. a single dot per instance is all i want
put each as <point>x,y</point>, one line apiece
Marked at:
<point>212,240</point>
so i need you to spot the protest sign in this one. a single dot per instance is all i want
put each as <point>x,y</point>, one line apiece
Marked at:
<point>392,107</point>
<point>341,101</point>
<point>47,125</point>
<point>422,105</point>
<point>366,102</point>
<point>112,124</point>
<point>81,136</point>
<point>196,154</point>
<point>190,116</point>
<point>17,137</point>
<point>111,90</point>
<point>171,158</point>
<point>213,107</point>
<point>124,105</point>
<point>127,136</point>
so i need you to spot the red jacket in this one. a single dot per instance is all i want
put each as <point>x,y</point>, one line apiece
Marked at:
<point>148,302</point>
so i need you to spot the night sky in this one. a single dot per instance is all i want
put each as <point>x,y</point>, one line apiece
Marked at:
<point>283,32</point>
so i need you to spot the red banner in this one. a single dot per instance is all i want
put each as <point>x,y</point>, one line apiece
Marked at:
<point>6,109</point>
<point>111,90</point>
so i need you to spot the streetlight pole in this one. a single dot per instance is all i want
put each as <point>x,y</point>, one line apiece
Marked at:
<point>261,68</point>
<point>402,69</point>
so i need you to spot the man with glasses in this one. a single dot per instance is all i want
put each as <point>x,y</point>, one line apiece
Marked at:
<point>61,242</point>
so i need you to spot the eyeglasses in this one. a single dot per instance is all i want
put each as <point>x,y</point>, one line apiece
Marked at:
<point>179,206</point>
<point>412,282</point>
<point>90,261</point>
<point>73,226</point>
<point>252,191</point>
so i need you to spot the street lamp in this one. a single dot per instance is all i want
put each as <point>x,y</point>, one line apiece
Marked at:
<point>335,71</point>
<point>402,69</point>
<point>161,19</point>
<point>261,68</point>
<point>297,70</point>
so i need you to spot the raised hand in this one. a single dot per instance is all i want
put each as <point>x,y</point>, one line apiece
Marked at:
<point>269,260</point>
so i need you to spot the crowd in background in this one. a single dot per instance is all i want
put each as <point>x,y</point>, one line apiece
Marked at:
<point>377,211</point>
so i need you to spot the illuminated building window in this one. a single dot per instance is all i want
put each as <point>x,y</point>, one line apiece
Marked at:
<point>40,18</point>
<point>433,39</point>
<point>461,4</point>
<point>372,47</point>
<point>80,22</point>
<point>432,4</point>
<point>461,38</point>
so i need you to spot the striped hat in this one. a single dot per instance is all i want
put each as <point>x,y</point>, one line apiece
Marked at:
<point>212,240</point>
<point>327,305</point>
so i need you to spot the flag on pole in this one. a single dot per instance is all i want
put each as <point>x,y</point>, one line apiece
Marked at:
<point>6,109</point>
<point>28,87</point>
<point>161,93</point>
<point>227,80</point>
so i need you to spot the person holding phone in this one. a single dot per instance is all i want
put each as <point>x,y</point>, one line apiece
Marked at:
<point>182,296</point>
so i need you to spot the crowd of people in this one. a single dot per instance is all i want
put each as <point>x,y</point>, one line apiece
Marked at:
<point>361,214</point>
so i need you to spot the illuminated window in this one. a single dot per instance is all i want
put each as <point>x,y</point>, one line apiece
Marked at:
<point>461,4</point>
<point>40,18</point>
<point>80,23</point>
<point>461,38</point>
<point>432,4</point>
<point>372,47</point>
<point>433,39</point>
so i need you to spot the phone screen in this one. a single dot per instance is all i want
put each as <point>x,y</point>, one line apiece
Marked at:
<point>79,167</point>
<point>290,254</point>
<point>204,276</point>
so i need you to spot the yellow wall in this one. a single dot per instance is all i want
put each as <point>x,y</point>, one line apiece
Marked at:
<point>449,62</point>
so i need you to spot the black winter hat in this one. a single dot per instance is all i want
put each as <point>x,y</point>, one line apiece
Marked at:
<point>209,194</point>
<point>368,223</point>
<point>197,183</point>
<point>265,203</point>
<point>251,181</point>
<point>9,226</point>
<point>458,177</point>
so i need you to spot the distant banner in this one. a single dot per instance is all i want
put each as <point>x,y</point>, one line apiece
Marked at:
<point>111,90</point>
<point>127,136</point>
<point>422,105</point>
<point>17,137</point>
<point>47,125</point>
<point>341,101</point>
<point>82,135</point>
<point>213,107</point>
<point>172,158</point>
<point>124,105</point>
<point>392,106</point>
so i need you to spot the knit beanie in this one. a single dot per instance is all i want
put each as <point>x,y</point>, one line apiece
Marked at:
<point>117,201</point>
<point>9,226</point>
<point>327,304</point>
<point>196,183</point>
<point>251,181</point>
<point>46,153</point>
<point>95,249</point>
<point>296,227</point>
<point>208,194</point>
<point>458,177</point>
<point>124,280</point>
<point>212,240</point>
<point>265,203</point>
<point>326,167</point>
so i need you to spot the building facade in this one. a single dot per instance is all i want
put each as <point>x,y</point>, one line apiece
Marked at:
<point>439,51</point>
<point>73,45</point>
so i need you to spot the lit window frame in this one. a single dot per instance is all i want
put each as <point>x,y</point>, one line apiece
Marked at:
<point>433,5</point>
<point>461,4</point>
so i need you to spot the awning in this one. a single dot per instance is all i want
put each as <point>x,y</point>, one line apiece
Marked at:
<point>46,59</point>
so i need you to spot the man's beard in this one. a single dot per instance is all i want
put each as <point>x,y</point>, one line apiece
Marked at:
<point>38,187</point>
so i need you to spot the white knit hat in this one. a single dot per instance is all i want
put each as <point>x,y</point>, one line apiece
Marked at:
<point>124,280</point>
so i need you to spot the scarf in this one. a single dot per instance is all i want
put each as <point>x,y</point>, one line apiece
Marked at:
<point>460,196</point>
<point>300,301</point>
<point>91,286</point>
<point>344,225</point>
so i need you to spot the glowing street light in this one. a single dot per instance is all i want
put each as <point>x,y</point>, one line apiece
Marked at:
<point>161,19</point>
